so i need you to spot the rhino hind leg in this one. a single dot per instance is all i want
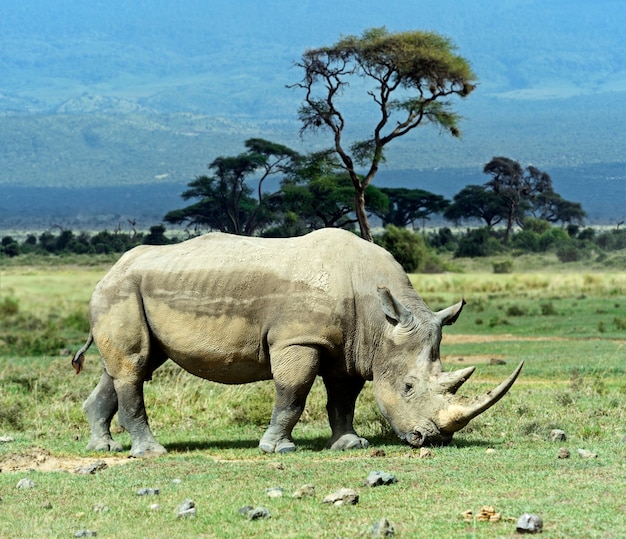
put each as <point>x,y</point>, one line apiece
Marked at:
<point>100,408</point>
<point>342,394</point>
<point>132,416</point>
<point>294,370</point>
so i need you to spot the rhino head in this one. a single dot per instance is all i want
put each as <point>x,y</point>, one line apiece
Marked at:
<point>418,399</point>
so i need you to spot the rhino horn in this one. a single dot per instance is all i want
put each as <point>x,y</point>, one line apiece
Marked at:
<point>457,415</point>
<point>450,382</point>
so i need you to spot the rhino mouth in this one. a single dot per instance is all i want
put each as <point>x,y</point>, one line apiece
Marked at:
<point>417,438</point>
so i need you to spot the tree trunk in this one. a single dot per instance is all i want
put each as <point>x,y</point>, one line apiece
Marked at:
<point>361,214</point>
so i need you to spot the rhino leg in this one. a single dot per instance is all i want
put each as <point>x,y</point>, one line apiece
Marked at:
<point>100,408</point>
<point>132,416</point>
<point>342,394</point>
<point>294,370</point>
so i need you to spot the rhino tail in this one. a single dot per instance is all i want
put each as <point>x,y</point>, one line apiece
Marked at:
<point>79,357</point>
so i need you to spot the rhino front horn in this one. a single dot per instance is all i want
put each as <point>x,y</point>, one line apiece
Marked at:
<point>457,415</point>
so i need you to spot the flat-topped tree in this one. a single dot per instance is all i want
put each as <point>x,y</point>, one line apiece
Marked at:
<point>409,77</point>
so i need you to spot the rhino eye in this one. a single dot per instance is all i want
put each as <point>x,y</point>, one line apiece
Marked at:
<point>408,387</point>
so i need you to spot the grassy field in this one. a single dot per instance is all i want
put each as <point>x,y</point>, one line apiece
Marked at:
<point>570,328</point>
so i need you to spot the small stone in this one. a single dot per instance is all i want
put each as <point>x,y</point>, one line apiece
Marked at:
<point>425,453</point>
<point>304,491</point>
<point>344,496</point>
<point>245,510</point>
<point>276,466</point>
<point>92,468</point>
<point>25,483</point>
<point>6,439</point>
<point>45,505</point>
<point>375,479</point>
<point>187,509</point>
<point>529,523</point>
<point>148,492</point>
<point>377,453</point>
<point>557,435</point>
<point>274,492</point>
<point>176,481</point>
<point>586,454</point>
<point>86,533</point>
<point>101,508</point>
<point>496,361</point>
<point>490,451</point>
<point>258,513</point>
<point>155,506</point>
<point>382,528</point>
<point>563,453</point>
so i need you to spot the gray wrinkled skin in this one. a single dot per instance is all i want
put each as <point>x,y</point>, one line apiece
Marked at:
<point>235,310</point>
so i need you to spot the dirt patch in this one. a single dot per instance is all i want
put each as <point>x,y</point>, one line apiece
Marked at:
<point>41,460</point>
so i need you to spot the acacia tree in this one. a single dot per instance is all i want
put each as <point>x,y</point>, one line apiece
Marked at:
<point>476,202</point>
<point>409,77</point>
<point>408,205</point>
<point>225,198</point>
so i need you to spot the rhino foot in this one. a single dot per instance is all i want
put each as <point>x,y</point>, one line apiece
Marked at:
<point>104,444</point>
<point>348,441</point>
<point>147,450</point>
<point>281,446</point>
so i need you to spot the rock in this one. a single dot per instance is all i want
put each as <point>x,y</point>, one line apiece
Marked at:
<point>304,491</point>
<point>563,453</point>
<point>187,509</point>
<point>496,361</point>
<point>6,439</point>
<point>45,505</point>
<point>258,513</point>
<point>176,481</point>
<point>92,468</point>
<point>148,492</point>
<point>490,451</point>
<point>25,483</point>
<point>344,496</point>
<point>586,454</point>
<point>529,523</point>
<point>375,479</point>
<point>382,528</point>
<point>86,533</point>
<point>377,453</point>
<point>425,453</point>
<point>274,492</point>
<point>100,508</point>
<point>155,507</point>
<point>557,435</point>
<point>245,510</point>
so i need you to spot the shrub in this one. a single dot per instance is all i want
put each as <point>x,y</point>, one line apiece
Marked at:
<point>9,306</point>
<point>478,243</point>
<point>409,249</point>
<point>568,252</point>
<point>506,266</point>
<point>526,240</point>
<point>552,237</point>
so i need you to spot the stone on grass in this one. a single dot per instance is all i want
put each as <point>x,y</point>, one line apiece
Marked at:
<point>557,435</point>
<point>378,478</point>
<point>586,454</point>
<point>382,528</point>
<point>45,505</point>
<point>100,508</point>
<point>304,491</point>
<point>344,496</point>
<point>6,439</point>
<point>529,523</point>
<point>25,483</point>
<point>187,509</point>
<point>257,513</point>
<point>274,492</point>
<point>148,492</point>
<point>563,453</point>
<point>92,468</point>
<point>425,453</point>
<point>86,533</point>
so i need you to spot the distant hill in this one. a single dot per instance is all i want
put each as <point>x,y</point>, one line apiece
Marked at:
<point>98,98</point>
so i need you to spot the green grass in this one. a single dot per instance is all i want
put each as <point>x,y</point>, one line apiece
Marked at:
<point>574,379</point>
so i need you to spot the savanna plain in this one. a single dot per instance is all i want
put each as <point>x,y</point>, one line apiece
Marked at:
<point>568,323</point>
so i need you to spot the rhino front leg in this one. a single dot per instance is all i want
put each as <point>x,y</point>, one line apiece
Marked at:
<point>100,408</point>
<point>294,370</point>
<point>132,416</point>
<point>342,394</point>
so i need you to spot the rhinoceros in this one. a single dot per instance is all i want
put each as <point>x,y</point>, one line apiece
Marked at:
<point>235,310</point>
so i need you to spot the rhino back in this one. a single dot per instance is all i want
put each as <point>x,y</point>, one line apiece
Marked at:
<point>216,304</point>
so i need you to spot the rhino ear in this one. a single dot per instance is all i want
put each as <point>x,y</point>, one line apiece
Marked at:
<point>450,315</point>
<point>393,309</point>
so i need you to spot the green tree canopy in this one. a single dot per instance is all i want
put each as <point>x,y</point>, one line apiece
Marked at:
<point>476,202</point>
<point>409,205</point>
<point>409,77</point>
